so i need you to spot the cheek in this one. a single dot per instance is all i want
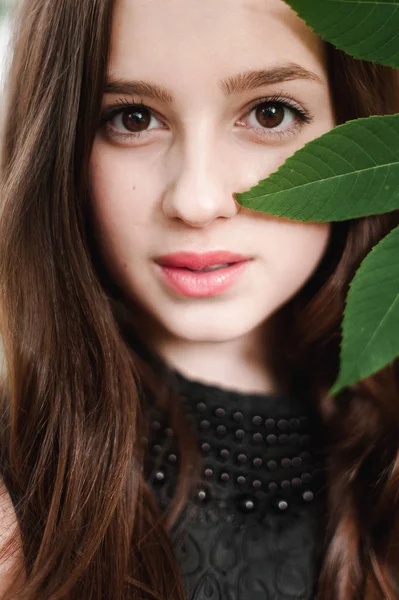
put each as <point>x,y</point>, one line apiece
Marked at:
<point>298,249</point>
<point>117,208</point>
<point>119,198</point>
<point>111,184</point>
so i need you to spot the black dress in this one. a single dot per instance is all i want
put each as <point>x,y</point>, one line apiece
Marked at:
<point>254,528</point>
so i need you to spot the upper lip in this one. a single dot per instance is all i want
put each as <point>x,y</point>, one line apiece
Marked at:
<point>192,260</point>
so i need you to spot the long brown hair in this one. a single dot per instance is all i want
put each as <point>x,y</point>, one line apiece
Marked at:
<point>76,387</point>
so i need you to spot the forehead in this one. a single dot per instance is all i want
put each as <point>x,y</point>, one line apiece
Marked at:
<point>180,41</point>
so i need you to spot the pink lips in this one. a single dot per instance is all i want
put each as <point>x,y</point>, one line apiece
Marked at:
<point>181,272</point>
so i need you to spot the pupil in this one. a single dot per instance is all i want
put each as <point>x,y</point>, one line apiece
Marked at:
<point>272,115</point>
<point>133,119</point>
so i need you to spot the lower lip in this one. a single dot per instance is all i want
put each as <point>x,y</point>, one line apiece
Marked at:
<point>206,284</point>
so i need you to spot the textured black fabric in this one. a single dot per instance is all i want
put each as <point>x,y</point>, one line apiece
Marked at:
<point>254,528</point>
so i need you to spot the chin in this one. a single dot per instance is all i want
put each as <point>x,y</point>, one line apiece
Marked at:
<point>218,329</point>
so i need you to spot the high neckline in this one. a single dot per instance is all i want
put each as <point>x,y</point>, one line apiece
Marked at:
<point>257,448</point>
<point>282,404</point>
<point>210,388</point>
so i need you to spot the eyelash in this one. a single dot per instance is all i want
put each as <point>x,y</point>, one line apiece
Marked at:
<point>302,115</point>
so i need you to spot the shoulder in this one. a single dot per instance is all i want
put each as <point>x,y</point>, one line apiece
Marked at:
<point>11,552</point>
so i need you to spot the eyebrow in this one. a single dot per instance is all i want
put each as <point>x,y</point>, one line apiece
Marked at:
<point>233,85</point>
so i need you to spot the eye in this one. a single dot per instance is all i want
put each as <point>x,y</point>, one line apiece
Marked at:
<point>133,120</point>
<point>277,117</point>
<point>273,114</point>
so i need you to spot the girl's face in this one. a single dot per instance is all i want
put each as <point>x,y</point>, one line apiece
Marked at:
<point>227,89</point>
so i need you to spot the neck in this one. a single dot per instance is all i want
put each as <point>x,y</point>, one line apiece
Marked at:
<point>240,364</point>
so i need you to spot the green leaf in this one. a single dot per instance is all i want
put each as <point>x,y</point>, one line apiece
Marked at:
<point>370,338</point>
<point>349,172</point>
<point>366,29</point>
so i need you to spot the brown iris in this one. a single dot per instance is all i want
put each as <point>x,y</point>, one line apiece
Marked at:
<point>270,115</point>
<point>135,119</point>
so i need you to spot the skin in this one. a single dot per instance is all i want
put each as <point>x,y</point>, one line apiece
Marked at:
<point>173,189</point>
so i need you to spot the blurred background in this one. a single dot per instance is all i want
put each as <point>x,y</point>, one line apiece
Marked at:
<point>5,7</point>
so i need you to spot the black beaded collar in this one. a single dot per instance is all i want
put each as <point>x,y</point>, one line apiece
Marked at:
<point>260,452</point>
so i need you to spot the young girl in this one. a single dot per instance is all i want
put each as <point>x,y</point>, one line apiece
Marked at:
<point>166,427</point>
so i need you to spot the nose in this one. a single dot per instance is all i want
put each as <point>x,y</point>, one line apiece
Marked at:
<point>201,188</point>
